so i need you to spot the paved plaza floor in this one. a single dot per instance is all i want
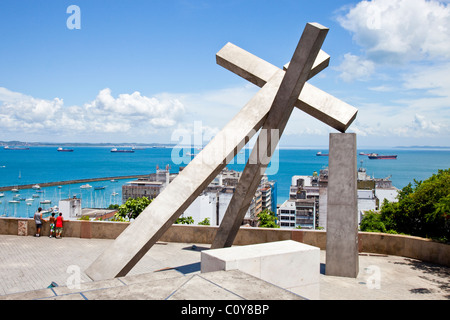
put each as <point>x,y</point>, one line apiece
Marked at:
<point>32,264</point>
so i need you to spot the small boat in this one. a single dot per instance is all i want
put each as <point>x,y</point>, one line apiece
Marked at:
<point>2,194</point>
<point>320,154</point>
<point>45,201</point>
<point>364,154</point>
<point>14,201</point>
<point>86,186</point>
<point>122,150</point>
<point>36,187</point>
<point>99,188</point>
<point>64,150</point>
<point>35,196</point>
<point>377,156</point>
<point>14,190</point>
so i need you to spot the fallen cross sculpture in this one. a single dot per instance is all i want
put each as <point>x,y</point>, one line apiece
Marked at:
<point>268,110</point>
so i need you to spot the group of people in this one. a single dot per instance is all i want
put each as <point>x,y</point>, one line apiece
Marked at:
<point>56,224</point>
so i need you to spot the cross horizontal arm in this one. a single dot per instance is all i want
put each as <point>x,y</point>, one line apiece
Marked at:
<point>312,100</point>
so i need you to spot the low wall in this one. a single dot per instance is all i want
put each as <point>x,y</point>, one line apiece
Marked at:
<point>370,242</point>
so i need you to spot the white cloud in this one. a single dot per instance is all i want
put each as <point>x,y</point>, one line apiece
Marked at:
<point>20,111</point>
<point>405,47</point>
<point>427,126</point>
<point>354,67</point>
<point>127,114</point>
<point>135,107</point>
<point>434,79</point>
<point>382,88</point>
<point>400,30</point>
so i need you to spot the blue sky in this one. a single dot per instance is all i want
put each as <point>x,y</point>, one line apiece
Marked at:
<point>145,71</point>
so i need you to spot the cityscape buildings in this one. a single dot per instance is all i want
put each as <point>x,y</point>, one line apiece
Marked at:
<point>306,207</point>
<point>212,203</point>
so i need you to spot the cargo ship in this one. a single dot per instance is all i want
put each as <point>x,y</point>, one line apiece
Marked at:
<point>320,154</point>
<point>377,156</point>
<point>122,150</point>
<point>64,150</point>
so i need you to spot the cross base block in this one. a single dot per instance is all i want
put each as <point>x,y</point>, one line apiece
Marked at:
<point>288,264</point>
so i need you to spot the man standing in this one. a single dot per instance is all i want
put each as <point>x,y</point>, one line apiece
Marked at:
<point>38,220</point>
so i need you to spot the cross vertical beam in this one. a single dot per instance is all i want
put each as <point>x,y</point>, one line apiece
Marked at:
<point>296,75</point>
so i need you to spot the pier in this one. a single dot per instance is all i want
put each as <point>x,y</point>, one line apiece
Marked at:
<point>59,183</point>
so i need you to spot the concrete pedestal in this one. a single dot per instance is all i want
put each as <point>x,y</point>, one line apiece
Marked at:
<point>342,207</point>
<point>288,264</point>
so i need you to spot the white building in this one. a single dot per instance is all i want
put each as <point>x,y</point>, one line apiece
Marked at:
<point>366,201</point>
<point>212,205</point>
<point>307,204</point>
<point>70,208</point>
<point>213,202</point>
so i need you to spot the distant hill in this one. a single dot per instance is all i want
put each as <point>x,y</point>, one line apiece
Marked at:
<point>423,147</point>
<point>83,144</point>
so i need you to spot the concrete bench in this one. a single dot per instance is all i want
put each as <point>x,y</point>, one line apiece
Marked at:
<point>288,264</point>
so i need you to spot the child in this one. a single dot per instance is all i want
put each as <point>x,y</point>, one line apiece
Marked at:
<point>52,221</point>
<point>59,226</point>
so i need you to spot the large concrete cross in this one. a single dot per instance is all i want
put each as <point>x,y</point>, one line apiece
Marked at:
<point>269,109</point>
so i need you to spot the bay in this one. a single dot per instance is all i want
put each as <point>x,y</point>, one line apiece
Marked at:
<point>44,164</point>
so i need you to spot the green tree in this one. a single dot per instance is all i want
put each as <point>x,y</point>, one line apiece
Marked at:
<point>372,222</point>
<point>204,222</point>
<point>267,219</point>
<point>423,209</point>
<point>185,220</point>
<point>132,208</point>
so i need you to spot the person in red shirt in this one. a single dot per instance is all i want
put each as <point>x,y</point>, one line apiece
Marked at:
<point>59,226</point>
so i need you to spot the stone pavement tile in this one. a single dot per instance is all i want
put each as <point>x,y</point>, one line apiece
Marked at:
<point>88,286</point>
<point>152,290</point>
<point>73,296</point>
<point>248,287</point>
<point>29,295</point>
<point>383,277</point>
<point>198,288</point>
<point>157,275</point>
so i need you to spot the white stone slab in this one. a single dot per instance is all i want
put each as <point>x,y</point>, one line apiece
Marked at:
<point>288,264</point>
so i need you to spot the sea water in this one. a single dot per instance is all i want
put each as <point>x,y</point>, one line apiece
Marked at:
<point>45,164</point>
